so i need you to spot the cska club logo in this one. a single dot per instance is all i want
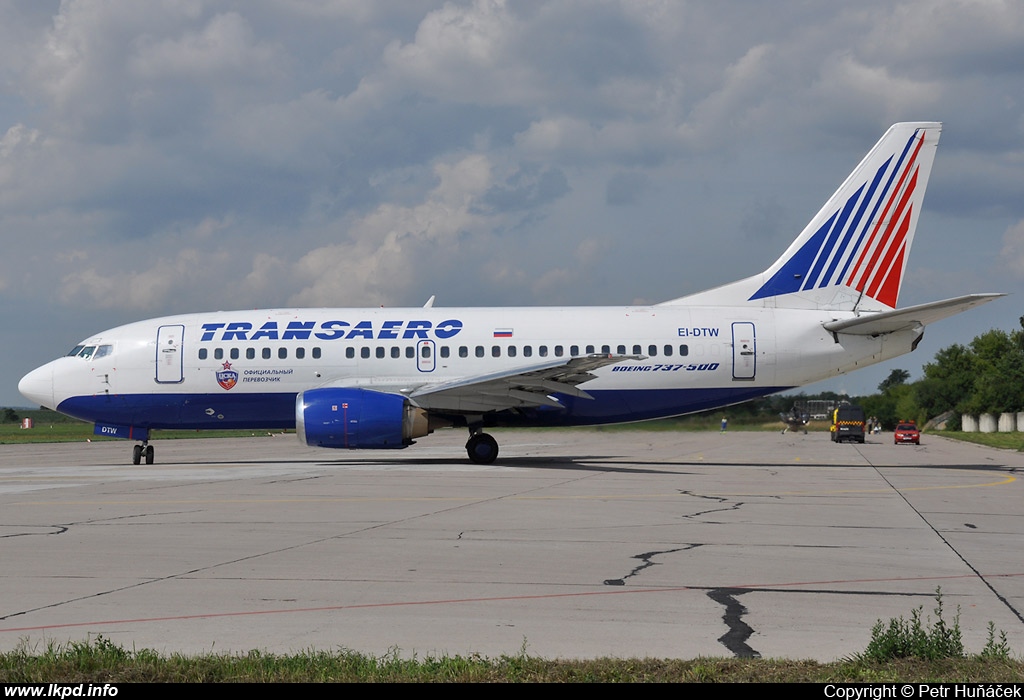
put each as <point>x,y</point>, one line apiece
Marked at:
<point>227,377</point>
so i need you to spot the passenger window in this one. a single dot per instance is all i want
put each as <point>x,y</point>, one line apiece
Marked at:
<point>300,353</point>
<point>668,351</point>
<point>559,351</point>
<point>463,351</point>
<point>684,350</point>
<point>396,352</point>
<point>542,351</point>
<point>590,349</point>
<point>350,352</point>
<point>652,350</point>
<point>574,350</point>
<point>218,354</point>
<point>637,350</point>
<point>445,351</point>
<point>479,350</point>
<point>364,353</point>
<point>202,353</point>
<point>316,353</point>
<point>410,352</point>
<point>250,353</point>
<point>425,352</point>
<point>606,349</point>
<point>282,353</point>
<point>380,353</point>
<point>234,353</point>
<point>621,350</point>
<point>495,351</point>
<point>527,351</point>
<point>266,353</point>
<point>511,350</point>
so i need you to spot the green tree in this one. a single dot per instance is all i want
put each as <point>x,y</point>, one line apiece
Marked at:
<point>999,373</point>
<point>948,381</point>
<point>897,377</point>
<point>895,402</point>
<point>891,406</point>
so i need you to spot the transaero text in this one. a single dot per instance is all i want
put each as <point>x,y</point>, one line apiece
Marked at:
<point>331,330</point>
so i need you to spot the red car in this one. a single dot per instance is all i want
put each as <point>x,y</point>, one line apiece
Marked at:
<point>907,433</point>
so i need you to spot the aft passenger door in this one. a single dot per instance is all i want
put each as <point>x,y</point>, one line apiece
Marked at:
<point>168,354</point>
<point>744,351</point>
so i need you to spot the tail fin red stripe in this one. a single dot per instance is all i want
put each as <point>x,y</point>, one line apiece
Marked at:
<point>861,271</point>
<point>885,268</point>
<point>891,239</point>
<point>890,291</point>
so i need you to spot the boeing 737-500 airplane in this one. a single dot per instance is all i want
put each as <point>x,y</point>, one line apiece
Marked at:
<point>380,378</point>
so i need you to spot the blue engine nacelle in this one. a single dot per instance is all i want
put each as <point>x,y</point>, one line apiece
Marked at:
<point>357,419</point>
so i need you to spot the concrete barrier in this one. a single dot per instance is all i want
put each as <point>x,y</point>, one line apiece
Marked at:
<point>1007,422</point>
<point>987,423</point>
<point>968,423</point>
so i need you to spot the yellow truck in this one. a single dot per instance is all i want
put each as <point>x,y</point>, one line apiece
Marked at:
<point>847,424</point>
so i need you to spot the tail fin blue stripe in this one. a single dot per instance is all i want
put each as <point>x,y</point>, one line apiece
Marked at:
<point>852,231</point>
<point>830,244</point>
<point>790,277</point>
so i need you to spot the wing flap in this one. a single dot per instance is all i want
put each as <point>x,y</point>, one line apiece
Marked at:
<point>522,387</point>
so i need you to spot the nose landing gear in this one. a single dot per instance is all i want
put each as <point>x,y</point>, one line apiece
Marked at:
<point>145,449</point>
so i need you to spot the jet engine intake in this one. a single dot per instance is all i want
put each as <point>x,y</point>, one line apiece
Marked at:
<point>357,419</point>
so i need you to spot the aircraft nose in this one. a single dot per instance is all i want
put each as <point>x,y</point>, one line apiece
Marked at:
<point>37,386</point>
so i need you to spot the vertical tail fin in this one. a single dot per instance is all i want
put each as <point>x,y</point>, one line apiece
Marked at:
<point>861,237</point>
<point>857,245</point>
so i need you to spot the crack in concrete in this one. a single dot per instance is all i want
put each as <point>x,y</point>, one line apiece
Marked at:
<point>648,560</point>
<point>1005,600</point>
<point>735,506</point>
<point>255,555</point>
<point>735,640</point>
<point>53,530</point>
<point>61,528</point>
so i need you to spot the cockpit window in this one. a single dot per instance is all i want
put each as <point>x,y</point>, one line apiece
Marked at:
<point>91,352</point>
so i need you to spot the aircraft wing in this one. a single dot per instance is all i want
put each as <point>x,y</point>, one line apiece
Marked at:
<point>909,318</point>
<point>522,387</point>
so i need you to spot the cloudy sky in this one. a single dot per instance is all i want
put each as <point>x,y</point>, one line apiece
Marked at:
<point>169,156</point>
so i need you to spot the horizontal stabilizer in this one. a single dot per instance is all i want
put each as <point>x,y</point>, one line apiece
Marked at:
<point>909,318</point>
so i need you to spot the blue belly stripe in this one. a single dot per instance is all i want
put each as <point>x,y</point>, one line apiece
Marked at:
<point>276,411</point>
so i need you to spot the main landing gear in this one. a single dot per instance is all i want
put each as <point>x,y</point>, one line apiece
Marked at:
<point>481,448</point>
<point>145,449</point>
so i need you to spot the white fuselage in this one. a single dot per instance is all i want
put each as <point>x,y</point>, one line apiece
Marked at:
<point>244,368</point>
